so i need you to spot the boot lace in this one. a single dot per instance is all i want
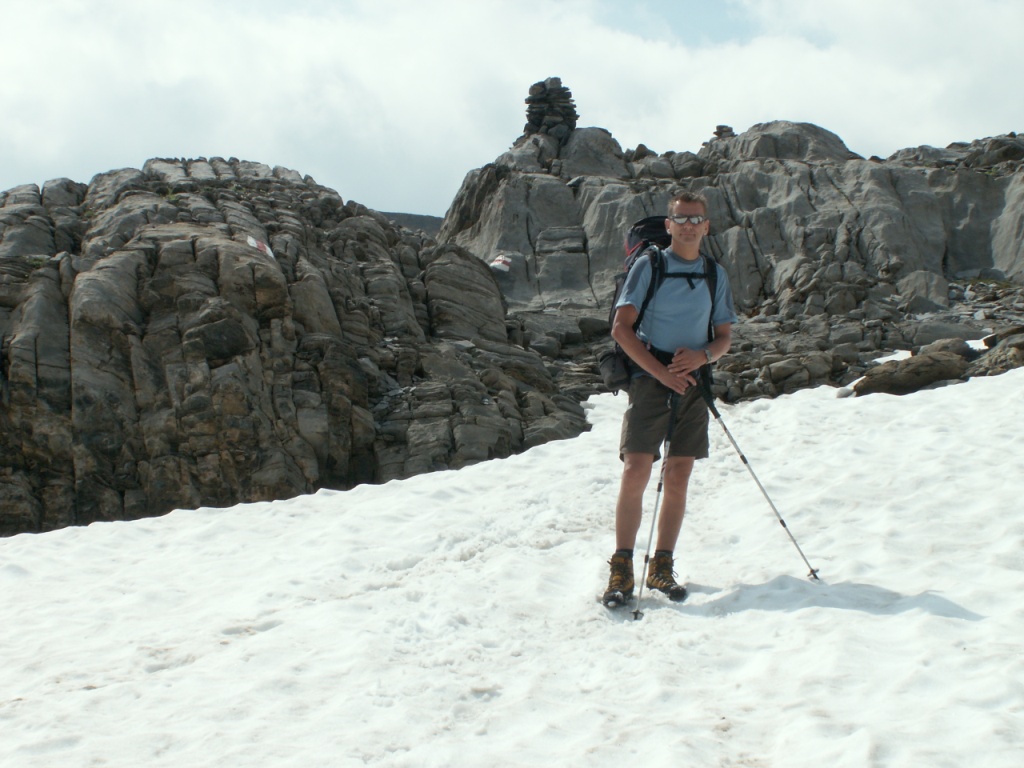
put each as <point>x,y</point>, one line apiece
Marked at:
<point>621,577</point>
<point>662,576</point>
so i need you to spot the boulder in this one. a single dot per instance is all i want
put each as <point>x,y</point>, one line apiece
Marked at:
<point>592,152</point>
<point>924,292</point>
<point>901,377</point>
<point>1004,351</point>
<point>785,140</point>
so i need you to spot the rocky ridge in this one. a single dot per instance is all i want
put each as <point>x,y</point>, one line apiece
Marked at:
<point>834,260</point>
<point>209,332</point>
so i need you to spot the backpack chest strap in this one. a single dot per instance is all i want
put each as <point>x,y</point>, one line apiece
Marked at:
<point>690,277</point>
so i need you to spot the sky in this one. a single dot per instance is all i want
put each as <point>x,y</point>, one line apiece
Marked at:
<point>452,619</point>
<point>392,102</point>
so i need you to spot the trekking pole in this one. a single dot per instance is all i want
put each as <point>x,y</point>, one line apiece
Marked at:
<point>709,398</point>
<point>673,402</point>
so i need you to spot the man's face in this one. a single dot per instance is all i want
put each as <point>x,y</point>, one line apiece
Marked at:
<point>687,232</point>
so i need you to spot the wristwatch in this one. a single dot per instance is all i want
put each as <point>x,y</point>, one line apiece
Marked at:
<point>707,353</point>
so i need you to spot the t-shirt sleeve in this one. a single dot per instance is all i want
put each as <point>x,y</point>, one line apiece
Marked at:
<point>635,288</point>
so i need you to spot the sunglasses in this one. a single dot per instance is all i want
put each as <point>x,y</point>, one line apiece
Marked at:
<point>695,220</point>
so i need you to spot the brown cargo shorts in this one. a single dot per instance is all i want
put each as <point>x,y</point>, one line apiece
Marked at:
<point>645,423</point>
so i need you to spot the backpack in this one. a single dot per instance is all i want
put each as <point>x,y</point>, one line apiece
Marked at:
<point>646,238</point>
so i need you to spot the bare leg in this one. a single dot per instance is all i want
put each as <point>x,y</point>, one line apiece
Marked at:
<point>636,472</point>
<point>673,501</point>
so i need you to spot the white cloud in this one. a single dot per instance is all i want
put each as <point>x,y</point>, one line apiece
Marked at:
<point>925,71</point>
<point>392,103</point>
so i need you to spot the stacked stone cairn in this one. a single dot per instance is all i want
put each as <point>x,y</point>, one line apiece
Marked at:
<point>550,110</point>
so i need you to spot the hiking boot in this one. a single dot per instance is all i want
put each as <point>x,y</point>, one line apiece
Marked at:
<point>661,577</point>
<point>620,582</point>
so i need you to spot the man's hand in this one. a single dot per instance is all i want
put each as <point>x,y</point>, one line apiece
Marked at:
<point>678,381</point>
<point>689,360</point>
<point>686,361</point>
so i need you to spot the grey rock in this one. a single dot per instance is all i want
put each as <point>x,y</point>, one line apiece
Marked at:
<point>63,193</point>
<point>209,331</point>
<point>531,154</point>
<point>462,297</point>
<point>26,230</point>
<point>925,291</point>
<point>932,329</point>
<point>593,152</point>
<point>224,331</point>
<point>902,377</point>
<point>1004,352</point>
<point>686,165</point>
<point>955,346</point>
<point>796,218</point>
<point>784,140</point>
<point>550,110</point>
<point>851,259</point>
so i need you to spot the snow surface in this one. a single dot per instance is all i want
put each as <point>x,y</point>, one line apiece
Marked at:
<point>451,619</point>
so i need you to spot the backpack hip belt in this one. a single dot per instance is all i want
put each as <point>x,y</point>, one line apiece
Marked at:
<point>660,355</point>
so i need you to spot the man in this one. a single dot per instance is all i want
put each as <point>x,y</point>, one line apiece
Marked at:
<point>668,348</point>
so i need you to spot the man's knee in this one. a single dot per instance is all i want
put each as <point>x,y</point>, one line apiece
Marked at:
<point>678,470</point>
<point>637,460</point>
<point>637,465</point>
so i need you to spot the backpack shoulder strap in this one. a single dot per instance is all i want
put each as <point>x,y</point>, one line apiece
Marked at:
<point>711,278</point>
<point>653,252</point>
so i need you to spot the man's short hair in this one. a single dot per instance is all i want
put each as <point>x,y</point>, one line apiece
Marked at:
<point>688,197</point>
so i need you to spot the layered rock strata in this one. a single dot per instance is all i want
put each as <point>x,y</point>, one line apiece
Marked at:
<point>208,332</point>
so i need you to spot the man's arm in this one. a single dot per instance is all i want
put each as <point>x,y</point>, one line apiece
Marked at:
<point>625,336</point>
<point>689,360</point>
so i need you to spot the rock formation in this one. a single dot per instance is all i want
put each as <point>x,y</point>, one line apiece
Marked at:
<point>833,259</point>
<point>550,110</point>
<point>208,332</point>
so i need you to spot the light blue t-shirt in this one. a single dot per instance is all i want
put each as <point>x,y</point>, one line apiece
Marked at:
<point>677,315</point>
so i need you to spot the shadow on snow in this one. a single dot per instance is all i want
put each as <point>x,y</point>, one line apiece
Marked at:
<point>787,593</point>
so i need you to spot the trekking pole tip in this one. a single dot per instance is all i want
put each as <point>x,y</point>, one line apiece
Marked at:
<point>813,575</point>
<point>638,614</point>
